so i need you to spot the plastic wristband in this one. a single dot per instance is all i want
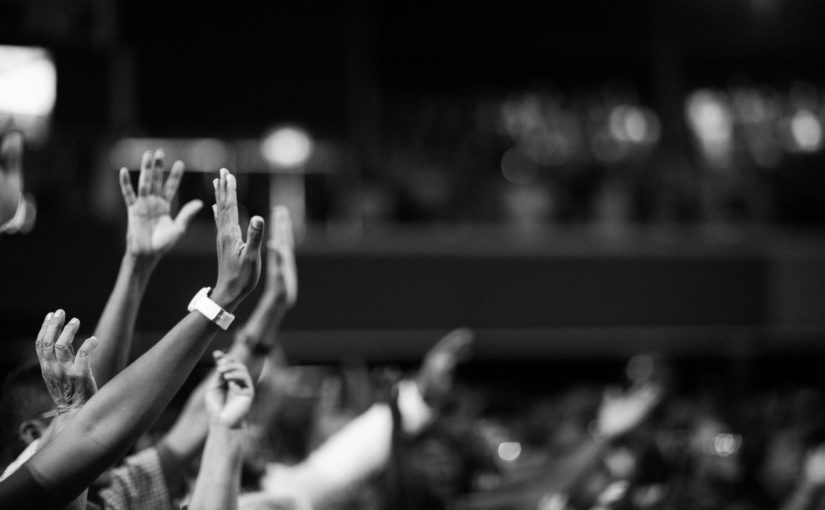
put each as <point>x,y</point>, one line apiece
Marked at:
<point>210,309</point>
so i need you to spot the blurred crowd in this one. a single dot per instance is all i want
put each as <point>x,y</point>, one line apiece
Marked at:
<point>83,428</point>
<point>746,153</point>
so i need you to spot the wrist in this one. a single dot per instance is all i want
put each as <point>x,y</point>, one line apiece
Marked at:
<point>275,300</point>
<point>228,426</point>
<point>69,409</point>
<point>601,436</point>
<point>256,345</point>
<point>226,298</point>
<point>139,264</point>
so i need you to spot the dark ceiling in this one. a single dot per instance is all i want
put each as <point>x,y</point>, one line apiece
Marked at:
<point>231,67</point>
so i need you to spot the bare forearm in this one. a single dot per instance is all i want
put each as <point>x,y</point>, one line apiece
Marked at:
<point>117,322</point>
<point>186,437</point>
<point>265,318</point>
<point>218,483</point>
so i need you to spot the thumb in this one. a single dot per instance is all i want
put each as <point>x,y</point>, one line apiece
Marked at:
<point>254,234</point>
<point>187,212</point>
<point>83,357</point>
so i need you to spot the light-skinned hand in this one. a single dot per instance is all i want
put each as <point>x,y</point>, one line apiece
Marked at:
<point>151,229</point>
<point>435,376</point>
<point>68,376</point>
<point>620,412</point>
<point>230,392</point>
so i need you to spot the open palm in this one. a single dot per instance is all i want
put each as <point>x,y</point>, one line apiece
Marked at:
<point>152,231</point>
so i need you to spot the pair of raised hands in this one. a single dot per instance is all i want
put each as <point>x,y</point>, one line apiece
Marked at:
<point>152,231</point>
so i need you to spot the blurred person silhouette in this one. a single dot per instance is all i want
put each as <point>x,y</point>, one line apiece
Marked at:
<point>367,445</point>
<point>590,464</point>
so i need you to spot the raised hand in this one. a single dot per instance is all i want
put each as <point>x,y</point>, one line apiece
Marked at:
<point>230,392</point>
<point>281,274</point>
<point>620,412</point>
<point>435,376</point>
<point>152,231</point>
<point>239,263</point>
<point>68,376</point>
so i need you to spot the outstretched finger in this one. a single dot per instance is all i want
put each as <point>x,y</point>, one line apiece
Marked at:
<point>170,189</point>
<point>84,354</point>
<point>63,347</point>
<point>38,344</point>
<point>222,188</point>
<point>126,187</point>
<point>282,229</point>
<point>457,343</point>
<point>187,212</point>
<point>254,235</point>
<point>50,336</point>
<point>231,198</point>
<point>216,184</point>
<point>145,177</point>
<point>157,172</point>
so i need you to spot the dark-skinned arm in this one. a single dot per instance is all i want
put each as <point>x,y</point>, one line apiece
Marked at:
<point>115,417</point>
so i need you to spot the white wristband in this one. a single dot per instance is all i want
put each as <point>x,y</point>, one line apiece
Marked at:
<point>210,309</point>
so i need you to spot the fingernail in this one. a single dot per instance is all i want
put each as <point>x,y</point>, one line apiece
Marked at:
<point>49,316</point>
<point>60,313</point>
<point>74,321</point>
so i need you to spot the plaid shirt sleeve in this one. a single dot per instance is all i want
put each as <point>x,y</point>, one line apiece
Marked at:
<point>137,484</point>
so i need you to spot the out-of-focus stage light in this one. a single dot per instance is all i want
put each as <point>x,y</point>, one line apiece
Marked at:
<point>517,167</point>
<point>286,147</point>
<point>509,451</point>
<point>806,131</point>
<point>28,89</point>
<point>709,117</point>
<point>629,123</point>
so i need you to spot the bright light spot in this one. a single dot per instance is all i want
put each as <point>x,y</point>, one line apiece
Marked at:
<point>517,168</point>
<point>286,146</point>
<point>28,81</point>
<point>726,445</point>
<point>806,130</point>
<point>709,117</point>
<point>509,451</point>
<point>634,124</point>
<point>209,154</point>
